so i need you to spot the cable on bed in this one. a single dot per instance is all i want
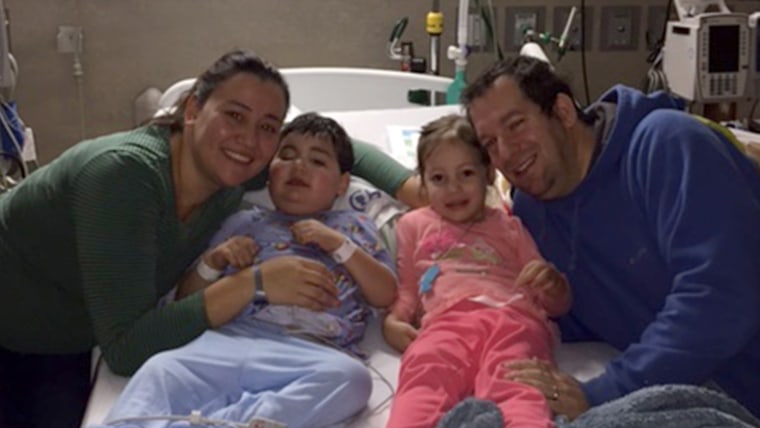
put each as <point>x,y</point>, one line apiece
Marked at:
<point>195,418</point>
<point>326,342</point>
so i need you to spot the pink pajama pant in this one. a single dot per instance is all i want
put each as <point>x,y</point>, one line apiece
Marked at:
<point>460,353</point>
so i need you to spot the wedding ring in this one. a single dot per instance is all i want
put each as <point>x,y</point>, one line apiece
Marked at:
<point>555,393</point>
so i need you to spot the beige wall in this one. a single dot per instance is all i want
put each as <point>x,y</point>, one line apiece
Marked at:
<point>131,45</point>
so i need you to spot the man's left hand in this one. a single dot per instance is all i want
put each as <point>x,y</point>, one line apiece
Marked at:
<point>563,393</point>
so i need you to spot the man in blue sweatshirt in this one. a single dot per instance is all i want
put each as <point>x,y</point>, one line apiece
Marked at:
<point>653,215</point>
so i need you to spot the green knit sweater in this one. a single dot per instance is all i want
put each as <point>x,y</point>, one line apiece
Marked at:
<point>90,242</point>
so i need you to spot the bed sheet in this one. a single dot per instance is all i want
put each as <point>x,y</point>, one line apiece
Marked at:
<point>583,360</point>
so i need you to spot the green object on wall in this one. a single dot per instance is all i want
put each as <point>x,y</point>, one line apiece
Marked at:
<point>456,87</point>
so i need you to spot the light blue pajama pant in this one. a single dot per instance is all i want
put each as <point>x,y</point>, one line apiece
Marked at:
<point>245,370</point>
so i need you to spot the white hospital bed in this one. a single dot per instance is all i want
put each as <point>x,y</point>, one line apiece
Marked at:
<point>365,102</point>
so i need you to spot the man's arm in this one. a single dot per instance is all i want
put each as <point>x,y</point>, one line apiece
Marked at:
<point>702,200</point>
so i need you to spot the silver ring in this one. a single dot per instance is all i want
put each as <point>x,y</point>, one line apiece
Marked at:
<point>555,393</point>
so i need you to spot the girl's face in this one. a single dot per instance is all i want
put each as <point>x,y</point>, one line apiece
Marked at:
<point>235,134</point>
<point>456,180</point>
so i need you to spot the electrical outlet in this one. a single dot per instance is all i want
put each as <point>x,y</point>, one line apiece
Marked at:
<point>657,16</point>
<point>518,20</point>
<point>619,30</point>
<point>480,37</point>
<point>69,39</point>
<point>574,35</point>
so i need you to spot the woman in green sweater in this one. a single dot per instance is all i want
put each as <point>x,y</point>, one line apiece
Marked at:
<point>90,242</point>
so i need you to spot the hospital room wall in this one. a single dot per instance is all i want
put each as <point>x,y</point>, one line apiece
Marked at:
<point>133,45</point>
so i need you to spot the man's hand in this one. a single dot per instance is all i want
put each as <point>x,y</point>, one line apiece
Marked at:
<point>399,334</point>
<point>563,393</point>
<point>315,232</point>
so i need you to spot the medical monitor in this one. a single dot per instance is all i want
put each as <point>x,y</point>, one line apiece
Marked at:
<point>754,19</point>
<point>707,57</point>
<point>723,51</point>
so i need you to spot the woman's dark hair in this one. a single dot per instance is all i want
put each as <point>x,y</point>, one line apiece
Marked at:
<point>314,125</point>
<point>443,129</point>
<point>227,66</point>
<point>536,80</point>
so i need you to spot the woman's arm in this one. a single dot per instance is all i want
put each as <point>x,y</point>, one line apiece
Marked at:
<point>118,203</point>
<point>377,167</point>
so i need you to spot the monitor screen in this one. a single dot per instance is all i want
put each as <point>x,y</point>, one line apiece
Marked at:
<point>724,49</point>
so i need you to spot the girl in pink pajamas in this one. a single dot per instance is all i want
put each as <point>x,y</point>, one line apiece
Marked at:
<point>471,277</point>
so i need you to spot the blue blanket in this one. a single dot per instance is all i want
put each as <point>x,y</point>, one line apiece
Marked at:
<point>662,406</point>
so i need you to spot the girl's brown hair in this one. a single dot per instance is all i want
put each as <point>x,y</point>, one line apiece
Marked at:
<point>449,127</point>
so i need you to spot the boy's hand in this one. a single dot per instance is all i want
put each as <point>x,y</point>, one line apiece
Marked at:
<point>238,252</point>
<point>293,280</point>
<point>549,285</point>
<point>399,334</point>
<point>315,232</point>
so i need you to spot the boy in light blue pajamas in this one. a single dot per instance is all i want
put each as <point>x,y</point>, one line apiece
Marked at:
<point>287,363</point>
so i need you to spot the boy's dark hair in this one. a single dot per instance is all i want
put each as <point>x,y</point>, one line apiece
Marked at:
<point>314,125</point>
<point>449,127</point>
<point>228,65</point>
<point>536,80</point>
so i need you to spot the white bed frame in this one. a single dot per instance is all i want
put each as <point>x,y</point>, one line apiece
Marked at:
<point>365,102</point>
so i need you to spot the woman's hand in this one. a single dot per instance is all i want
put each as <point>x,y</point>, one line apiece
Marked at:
<point>399,334</point>
<point>294,280</point>
<point>410,192</point>
<point>549,284</point>
<point>315,232</point>
<point>238,252</point>
<point>563,393</point>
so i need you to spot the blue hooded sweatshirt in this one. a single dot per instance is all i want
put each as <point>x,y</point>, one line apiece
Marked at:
<point>661,244</point>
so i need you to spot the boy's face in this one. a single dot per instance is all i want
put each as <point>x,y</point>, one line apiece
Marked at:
<point>304,177</point>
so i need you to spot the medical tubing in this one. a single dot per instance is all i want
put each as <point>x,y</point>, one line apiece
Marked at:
<point>583,53</point>
<point>195,418</point>
<point>562,43</point>
<point>461,60</point>
<point>13,158</point>
<point>14,141</point>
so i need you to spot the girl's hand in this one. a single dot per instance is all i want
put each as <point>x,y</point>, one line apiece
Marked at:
<point>293,280</point>
<point>238,252</point>
<point>548,284</point>
<point>315,232</point>
<point>399,334</point>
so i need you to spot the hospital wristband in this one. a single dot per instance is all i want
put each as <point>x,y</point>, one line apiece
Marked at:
<point>344,252</point>
<point>258,285</point>
<point>207,272</point>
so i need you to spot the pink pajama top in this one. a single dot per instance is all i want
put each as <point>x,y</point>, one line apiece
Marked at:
<point>477,261</point>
